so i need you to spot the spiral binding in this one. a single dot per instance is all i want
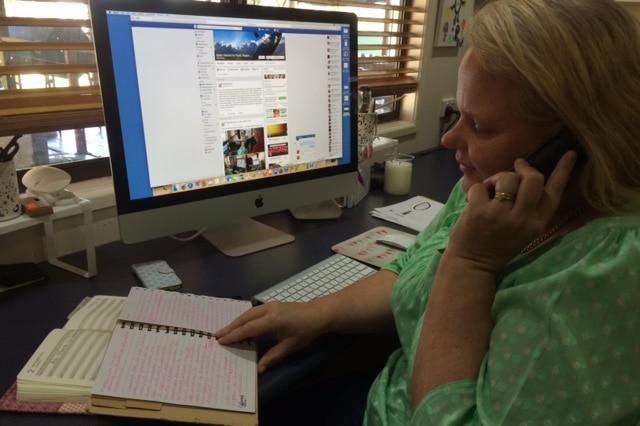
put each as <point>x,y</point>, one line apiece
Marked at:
<point>166,329</point>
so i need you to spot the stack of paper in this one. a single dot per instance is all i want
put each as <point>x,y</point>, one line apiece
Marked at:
<point>65,365</point>
<point>415,213</point>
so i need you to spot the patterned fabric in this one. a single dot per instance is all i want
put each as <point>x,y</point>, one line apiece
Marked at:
<point>565,344</point>
<point>9,402</point>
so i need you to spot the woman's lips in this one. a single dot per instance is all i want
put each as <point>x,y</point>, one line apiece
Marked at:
<point>465,169</point>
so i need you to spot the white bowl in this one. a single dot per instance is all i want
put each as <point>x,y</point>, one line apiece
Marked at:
<point>46,180</point>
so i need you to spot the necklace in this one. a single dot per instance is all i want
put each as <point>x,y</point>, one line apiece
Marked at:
<point>555,228</point>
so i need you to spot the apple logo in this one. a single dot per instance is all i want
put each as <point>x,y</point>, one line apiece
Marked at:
<point>259,202</point>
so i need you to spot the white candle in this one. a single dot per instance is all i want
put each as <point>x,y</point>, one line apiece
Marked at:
<point>397,176</point>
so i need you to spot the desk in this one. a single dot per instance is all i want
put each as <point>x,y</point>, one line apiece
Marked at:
<point>27,314</point>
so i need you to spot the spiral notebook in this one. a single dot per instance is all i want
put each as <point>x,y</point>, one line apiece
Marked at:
<point>163,362</point>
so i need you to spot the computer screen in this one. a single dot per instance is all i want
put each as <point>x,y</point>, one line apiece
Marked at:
<point>217,112</point>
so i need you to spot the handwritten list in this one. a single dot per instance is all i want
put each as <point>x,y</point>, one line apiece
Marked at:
<point>163,351</point>
<point>190,311</point>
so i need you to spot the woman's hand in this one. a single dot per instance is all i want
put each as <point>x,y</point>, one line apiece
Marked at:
<point>492,231</point>
<point>295,325</point>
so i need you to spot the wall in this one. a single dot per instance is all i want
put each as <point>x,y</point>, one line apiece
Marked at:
<point>438,80</point>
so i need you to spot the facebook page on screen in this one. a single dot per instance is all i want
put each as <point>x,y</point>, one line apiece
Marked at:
<point>223,100</point>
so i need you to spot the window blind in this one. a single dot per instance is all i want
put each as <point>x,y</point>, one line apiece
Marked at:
<point>389,40</point>
<point>48,76</point>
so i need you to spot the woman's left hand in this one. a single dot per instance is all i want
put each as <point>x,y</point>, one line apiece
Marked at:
<point>492,231</point>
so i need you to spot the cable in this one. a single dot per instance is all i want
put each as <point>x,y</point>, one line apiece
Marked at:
<point>190,237</point>
<point>448,113</point>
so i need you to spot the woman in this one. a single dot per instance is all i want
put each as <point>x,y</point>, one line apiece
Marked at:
<point>523,308</point>
<point>243,150</point>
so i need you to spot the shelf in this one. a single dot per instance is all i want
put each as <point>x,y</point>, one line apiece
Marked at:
<point>82,207</point>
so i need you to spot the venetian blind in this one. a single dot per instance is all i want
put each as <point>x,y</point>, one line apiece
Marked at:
<point>389,40</point>
<point>48,75</point>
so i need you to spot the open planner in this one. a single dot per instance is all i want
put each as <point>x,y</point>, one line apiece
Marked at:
<point>163,362</point>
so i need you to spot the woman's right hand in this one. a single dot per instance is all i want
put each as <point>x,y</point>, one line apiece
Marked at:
<point>295,324</point>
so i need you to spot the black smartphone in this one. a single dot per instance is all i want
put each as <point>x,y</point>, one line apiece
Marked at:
<point>18,274</point>
<point>545,158</point>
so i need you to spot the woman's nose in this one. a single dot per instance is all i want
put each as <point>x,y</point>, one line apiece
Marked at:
<point>451,137</point>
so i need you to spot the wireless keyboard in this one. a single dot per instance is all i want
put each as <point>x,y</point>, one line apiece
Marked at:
<point>325,277</point>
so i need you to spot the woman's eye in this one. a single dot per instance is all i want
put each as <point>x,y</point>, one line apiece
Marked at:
<point>482,131</point>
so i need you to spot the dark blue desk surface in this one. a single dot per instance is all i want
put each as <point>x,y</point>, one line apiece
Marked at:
<point>28,314</point>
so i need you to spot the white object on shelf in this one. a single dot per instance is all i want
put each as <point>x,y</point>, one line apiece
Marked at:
<point>49,183</point>
<point>45,180</point>
<point>83,207</point>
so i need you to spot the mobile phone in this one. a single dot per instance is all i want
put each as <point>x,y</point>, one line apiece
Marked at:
<point>157,274</point>
<point>18,274</point>
<point>545,158</point>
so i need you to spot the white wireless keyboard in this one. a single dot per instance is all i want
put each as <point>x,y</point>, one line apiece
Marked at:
<point>325,277</point>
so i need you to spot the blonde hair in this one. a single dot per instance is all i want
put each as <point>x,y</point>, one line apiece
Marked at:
<point>577,63</point>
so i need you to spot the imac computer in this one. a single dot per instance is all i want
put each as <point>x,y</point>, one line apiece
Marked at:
<point>217,113</point>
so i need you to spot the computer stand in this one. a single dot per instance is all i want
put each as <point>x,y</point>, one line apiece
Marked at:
<point>245,237</point>
<point>249,236</point>
<point>328,209</point>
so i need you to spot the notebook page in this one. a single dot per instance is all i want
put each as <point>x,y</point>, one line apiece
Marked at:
<point>181,310</point>
<point>161,365</point>
<point>99,313</point>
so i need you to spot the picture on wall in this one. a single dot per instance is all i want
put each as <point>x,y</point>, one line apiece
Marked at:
<point>453,16</point>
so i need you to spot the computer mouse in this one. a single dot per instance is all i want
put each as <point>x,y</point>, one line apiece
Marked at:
<point>398,241</point>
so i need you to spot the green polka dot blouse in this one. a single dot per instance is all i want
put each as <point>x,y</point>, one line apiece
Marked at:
<point>565,348</point>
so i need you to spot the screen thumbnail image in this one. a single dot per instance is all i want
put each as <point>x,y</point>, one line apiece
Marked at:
<point>243,141</point>
<point>277,113</point>
<point>278,149</point>
<point>277,130</point>
<point>236,164</point>
<point>248,45</point>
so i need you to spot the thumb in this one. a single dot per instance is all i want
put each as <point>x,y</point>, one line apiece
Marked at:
<point>273,356</point>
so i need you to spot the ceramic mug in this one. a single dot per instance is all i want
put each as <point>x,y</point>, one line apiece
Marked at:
<point>367,128</point>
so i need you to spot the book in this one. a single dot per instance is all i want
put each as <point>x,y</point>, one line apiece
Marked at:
<point>365,247</point>
<point>163,362</point>
<point>65,365</point>
<point>415,213</point>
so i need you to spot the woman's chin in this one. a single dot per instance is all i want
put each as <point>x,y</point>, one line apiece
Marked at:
<point>468,182</point>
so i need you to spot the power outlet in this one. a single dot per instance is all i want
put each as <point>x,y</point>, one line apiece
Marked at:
<point>446,102</point>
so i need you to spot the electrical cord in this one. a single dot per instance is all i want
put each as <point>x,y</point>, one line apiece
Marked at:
<point>453,115</point>
<point>190,237</point>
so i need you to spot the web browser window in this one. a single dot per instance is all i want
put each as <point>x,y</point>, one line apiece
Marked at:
<point>235,100</point>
